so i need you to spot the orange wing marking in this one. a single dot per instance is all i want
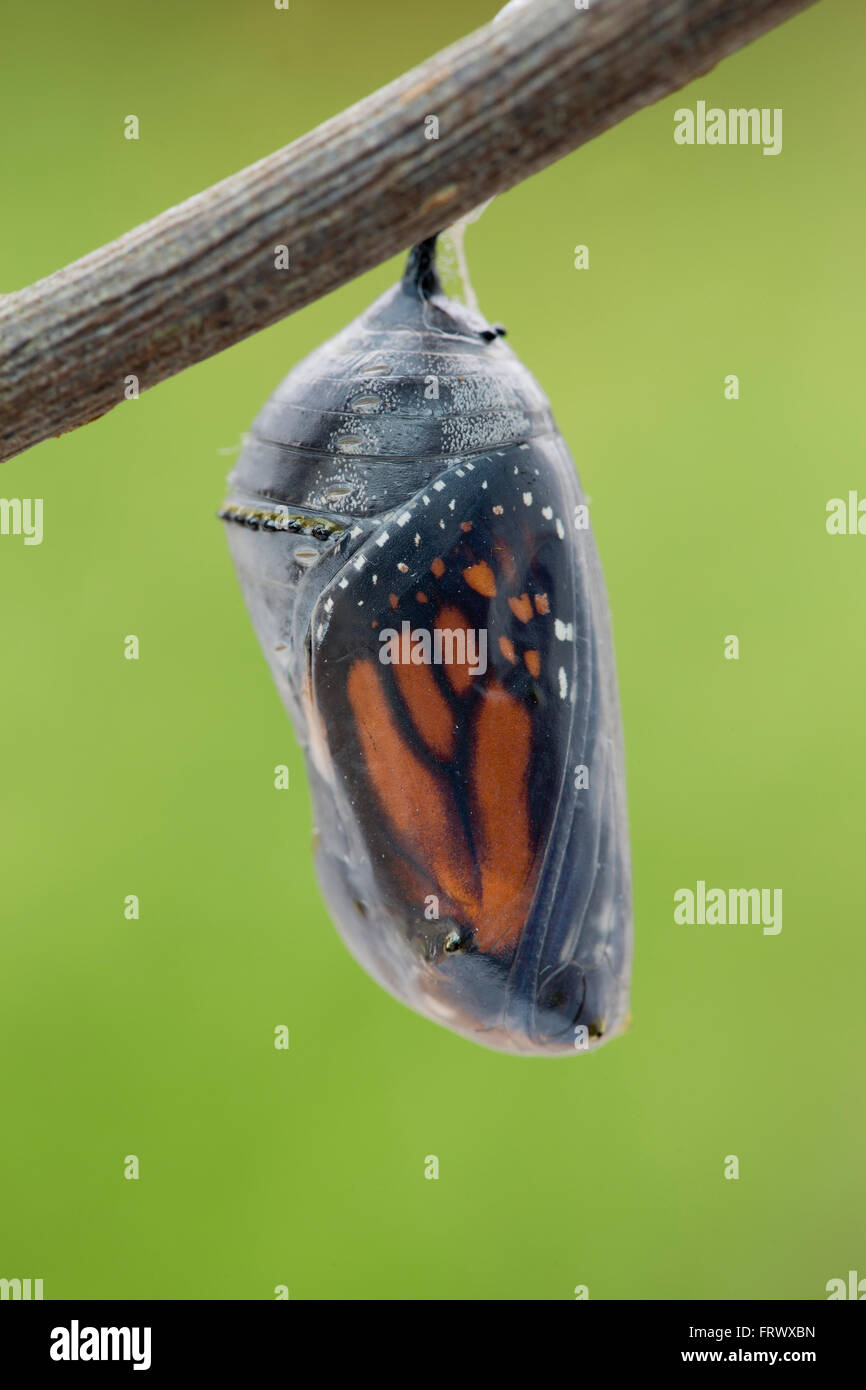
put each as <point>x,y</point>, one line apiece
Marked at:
<point>521,607</point>
<point>500,787</point>
<point>481,578</point>
<point>456,672</point>
<point>417,807</point>
<point>430,711</point>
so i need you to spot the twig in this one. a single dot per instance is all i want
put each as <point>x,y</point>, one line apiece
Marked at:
<point>509,99</point>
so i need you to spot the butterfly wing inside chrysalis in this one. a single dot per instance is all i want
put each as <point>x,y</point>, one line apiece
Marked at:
<point>446,655</point>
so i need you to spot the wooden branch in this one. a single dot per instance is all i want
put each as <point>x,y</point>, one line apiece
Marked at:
<point>511,98</point>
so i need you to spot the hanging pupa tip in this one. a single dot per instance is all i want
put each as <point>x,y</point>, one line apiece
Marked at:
<point>420,274</point>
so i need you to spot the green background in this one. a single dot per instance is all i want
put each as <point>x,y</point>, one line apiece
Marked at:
<point>306,1167</point>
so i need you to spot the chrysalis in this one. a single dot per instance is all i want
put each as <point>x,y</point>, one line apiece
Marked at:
<point>412,543</point>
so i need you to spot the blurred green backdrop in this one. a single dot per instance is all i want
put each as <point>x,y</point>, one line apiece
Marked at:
<point>154,1037</point>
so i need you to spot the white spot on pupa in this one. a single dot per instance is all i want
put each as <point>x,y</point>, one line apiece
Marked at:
<point>401,520</point>
<point>320,632</point>
<point>460,473</point>
<point>452,504</point>
<point>360,603</point>
<point>442,525</point>
<point>484,484</point>
<point>417,538</point>
<point>329,604</point>
<point>404,569</point>
<point>355,531</point>
<point>560,529</point>
<point>382,540</point>
<point>497,511</point>
<point>471,467</point>
<point>527,499</point>
<point>564,631</point>
<point>563,683</point>
<point>359,562</point>
<point>426,500</point>
<point>344,583</point>
<point>547,513</point>
<point>440,487</point>
<point>375,579</point>
<point>526,446</point>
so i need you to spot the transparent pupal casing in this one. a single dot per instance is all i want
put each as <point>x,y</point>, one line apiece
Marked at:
<point>406,479</point>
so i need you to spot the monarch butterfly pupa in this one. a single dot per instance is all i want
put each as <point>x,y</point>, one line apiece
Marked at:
<point>407,526</point>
